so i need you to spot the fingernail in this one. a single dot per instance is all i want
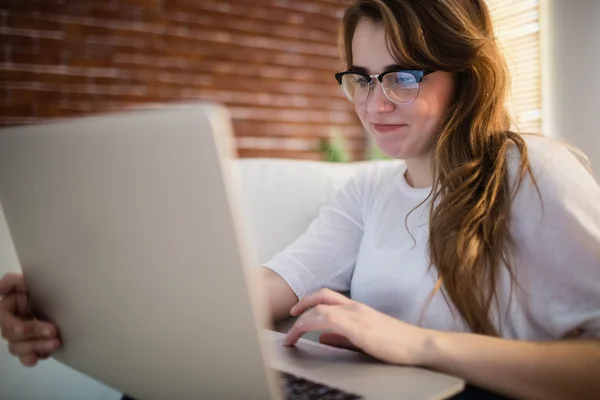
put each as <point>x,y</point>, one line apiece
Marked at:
<point>292,310</point>
<point>19,330</point>
<point>46,332</point>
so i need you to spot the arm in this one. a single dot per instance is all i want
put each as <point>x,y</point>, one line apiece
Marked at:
<point>519,369</point>
<point>567,369</point>
<point>325,255</point>
<point>557,265</point>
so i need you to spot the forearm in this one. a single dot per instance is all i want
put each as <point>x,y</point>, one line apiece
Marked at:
<point>518,369</point>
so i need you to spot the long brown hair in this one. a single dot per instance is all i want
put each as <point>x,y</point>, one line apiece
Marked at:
<point>469,239</point>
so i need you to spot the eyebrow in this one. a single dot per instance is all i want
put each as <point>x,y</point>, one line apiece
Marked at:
<point>385,69</point>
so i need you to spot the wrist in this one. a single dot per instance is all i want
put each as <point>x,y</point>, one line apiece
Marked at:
<point>429,349</point>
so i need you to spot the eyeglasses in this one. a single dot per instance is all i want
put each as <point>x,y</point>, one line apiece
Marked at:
<point>401,86</point>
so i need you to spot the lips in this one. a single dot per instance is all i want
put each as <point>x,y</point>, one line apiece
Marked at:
<point>387,128</point>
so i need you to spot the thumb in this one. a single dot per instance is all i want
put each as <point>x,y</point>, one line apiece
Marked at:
<point>337,340</point>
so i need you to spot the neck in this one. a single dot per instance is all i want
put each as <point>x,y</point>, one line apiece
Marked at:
<point>418,172</point>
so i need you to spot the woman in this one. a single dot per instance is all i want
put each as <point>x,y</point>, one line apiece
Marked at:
<point>478,256</point>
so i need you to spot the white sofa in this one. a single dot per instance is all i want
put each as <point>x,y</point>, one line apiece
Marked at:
<point>281,198</point>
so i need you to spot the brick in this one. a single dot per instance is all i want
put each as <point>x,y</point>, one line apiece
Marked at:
<point>139,78</point>
<point>241,83</point>
<point>153,4</point>
<point>164,90</point>
<point>278,129</point>
<point>212,20</point>
<point>5,96</point>
<point>18,57</point>
<point>31,5</point>
<point>21,110</point>
<point>52,46</point>
<point>29,21</point>
<point>80,30</point>
<point>24,96</point>
<point>16,76</point>
<point>308,6</point>
<point>253,10</point>
<point>142,36</point>
<point>127,9</point>
<point>257,71</point>
<point>254,113</point>
<point>71,46</point>
<point>123,14</point>
<point>97,47</point>
<point>90,62</point>
<point>267,99</point>
<point>17,41</point>
<point>105,98</point>
<point>28,76</point>
<point>244,55</point>
<point>51,111</point>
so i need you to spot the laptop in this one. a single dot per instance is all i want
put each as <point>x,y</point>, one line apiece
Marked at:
<point>130,230</point>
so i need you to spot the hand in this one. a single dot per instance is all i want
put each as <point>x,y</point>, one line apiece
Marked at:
<point>28,338</point>
<point>356,326</point>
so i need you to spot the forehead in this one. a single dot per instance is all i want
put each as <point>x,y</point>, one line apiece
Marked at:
<point>369,47</point>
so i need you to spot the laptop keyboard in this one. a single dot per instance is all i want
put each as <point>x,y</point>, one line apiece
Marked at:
<point>296,388</point>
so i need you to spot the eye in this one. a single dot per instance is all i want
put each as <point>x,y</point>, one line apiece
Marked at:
<point>359,80</point>
<point>403,80</point>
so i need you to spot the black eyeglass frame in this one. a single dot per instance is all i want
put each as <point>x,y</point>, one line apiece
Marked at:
<point>417,73</point>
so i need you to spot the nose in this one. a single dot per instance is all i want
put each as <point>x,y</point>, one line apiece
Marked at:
<point>378,102</point>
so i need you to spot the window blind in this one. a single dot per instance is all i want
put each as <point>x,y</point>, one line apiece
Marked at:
<point>517,28</point>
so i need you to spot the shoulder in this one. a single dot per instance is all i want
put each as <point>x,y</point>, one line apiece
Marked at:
<point>555,229</point>
<point>557,169</point>
<point>558,201</point>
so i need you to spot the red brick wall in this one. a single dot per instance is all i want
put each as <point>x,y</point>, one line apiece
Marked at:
<point>270,61</point>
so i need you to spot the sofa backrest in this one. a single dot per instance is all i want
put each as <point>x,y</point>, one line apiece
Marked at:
<point>281,197</point>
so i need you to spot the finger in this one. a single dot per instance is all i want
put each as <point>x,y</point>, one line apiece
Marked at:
<point>22,349</point>
<point>15,329</point>
<point>12,282</point>
<point>321,317</point>
<point>29,360</point>
<point>16,305</point>
<point>324,296</point>
<point>8,319</point>
<point>22,307</point>
<point>336,340</point>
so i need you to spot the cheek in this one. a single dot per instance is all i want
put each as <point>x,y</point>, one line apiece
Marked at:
<point>428,114</point>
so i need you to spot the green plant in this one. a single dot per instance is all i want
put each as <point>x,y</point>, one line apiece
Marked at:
<point>334,148</point>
